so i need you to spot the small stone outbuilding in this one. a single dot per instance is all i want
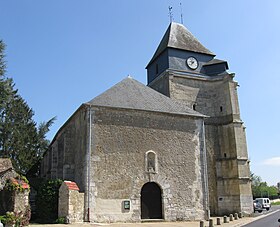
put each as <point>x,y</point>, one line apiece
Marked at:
<point>14,192</point>
<point>71,202</point>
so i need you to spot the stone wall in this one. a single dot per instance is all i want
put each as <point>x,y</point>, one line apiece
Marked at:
<point>228,165</point>
<point>66,156</point>
<point>71,204</point>
<point>13,201</point>
<point>120,141</point>
<point>21,201</point>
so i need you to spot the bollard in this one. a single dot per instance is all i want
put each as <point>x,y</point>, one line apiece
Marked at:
<point>235,216</point>
<point>225,219</point>
<point>201,224</point>
<point>218,221</point>
<point>230,217</point>
<point>211,224</point>
<point>240,215</point>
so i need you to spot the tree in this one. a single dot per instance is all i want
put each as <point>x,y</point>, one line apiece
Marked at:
<point>261,189</point>
<point>20,139</point>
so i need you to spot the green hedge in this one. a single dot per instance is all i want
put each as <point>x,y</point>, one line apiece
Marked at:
<point>47,201</point>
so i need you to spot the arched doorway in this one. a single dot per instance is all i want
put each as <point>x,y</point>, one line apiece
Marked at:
<point>151,201</point>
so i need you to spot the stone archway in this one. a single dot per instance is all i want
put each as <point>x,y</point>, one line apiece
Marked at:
<point>151,201</point>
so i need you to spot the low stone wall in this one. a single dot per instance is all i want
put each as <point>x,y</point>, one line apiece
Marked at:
<point>21,201</point>
<point>71,202</point>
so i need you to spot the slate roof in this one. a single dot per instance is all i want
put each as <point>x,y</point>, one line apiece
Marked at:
<point>131,94</point>
<point>179,37</point>
<point>215,62</point>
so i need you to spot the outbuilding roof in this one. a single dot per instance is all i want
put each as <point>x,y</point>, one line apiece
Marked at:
<point>131,94</point>
<point>23,184</point>
<point>5,164</point>
<point>179,37</point>
<point>72,185</point>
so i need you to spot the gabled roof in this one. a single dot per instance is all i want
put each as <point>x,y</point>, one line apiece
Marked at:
<point>16,182</point>
<point>177,36</point>
<point>71,185</point>
<point>131,94</point>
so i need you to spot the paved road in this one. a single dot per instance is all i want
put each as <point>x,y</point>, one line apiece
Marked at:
<point>270,220</point>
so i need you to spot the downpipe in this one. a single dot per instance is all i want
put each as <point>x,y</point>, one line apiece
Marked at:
<point>89,164</point>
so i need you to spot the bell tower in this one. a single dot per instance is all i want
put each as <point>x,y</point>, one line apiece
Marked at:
<point>184,70</point>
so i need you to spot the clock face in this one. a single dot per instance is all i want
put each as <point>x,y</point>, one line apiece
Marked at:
<point>192,63</point>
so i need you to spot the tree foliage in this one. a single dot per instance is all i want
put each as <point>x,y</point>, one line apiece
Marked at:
<point>261,189</point>
<point>20,139</point>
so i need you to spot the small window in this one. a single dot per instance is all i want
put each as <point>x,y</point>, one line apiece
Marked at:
<point>225,155</point>
<point>221,108</point>
<point>151,162</point>
<point>194,107</point>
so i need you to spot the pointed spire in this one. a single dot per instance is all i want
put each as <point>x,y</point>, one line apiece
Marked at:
<point>179,37</point>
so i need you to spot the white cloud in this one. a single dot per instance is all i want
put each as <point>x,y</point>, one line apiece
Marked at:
<point>272,161</point>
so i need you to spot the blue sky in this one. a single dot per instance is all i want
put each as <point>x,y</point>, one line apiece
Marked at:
<point>62,53</point>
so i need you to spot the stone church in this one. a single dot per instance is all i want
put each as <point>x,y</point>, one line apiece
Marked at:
<point>173,150</point>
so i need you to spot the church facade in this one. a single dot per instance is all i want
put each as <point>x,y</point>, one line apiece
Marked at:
<point>173,150</point>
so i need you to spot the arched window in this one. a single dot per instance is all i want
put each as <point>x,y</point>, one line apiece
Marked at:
<point>194,106</point>
<point>151,162</point>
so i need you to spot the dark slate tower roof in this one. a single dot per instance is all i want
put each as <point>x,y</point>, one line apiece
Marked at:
<point>131,94</point>
<point>179,37</point>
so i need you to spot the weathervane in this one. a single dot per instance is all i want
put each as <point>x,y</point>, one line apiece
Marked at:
<point>170,14</point>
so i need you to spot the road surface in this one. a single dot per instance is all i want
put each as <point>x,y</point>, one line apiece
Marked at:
<point>270,220</point>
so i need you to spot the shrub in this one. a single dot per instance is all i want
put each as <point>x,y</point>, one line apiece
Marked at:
<point>47,201</point>
<point>60,220</point>
<point>12,218</point>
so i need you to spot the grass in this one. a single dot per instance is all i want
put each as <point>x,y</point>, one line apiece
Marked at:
<point>275,203</point>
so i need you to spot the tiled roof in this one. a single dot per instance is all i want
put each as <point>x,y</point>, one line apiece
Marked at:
<point>72,185</point>
<point>19,182</point>
<point>131,94</point>
<point>179,37</point>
